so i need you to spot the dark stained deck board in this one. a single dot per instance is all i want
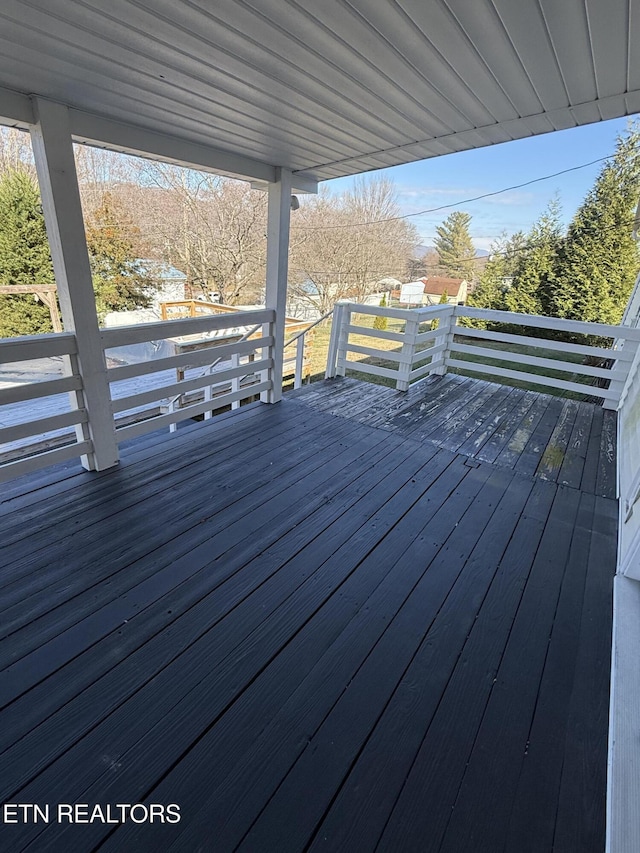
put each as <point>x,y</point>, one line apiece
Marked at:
<point>520,408</point>
<point>456,731</point>
<point>581,799</point>
<point>40,485</point>
<point>553,457</point>
<point>505,734</point>
<point>138,481</point>
<point>303,665</point>
<point>333,746</point>
<point>518,441</point>
<point>533,812</point>
<point>47,638</point>
<point>573,463</point>
<point>538,434</point>
<point>500,562</point>
<point>606,476</point>
<point>35,611</point>
<point>195,593</point>
<point>592,458</point>
<point>260,628</point>
<point>329,665</point>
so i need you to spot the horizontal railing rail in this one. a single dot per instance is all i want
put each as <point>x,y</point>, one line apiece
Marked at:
<point>45,420</point>
<point>301,359</point>
<point>52,430</point>
<point>158,384</point>
<point>433,339</point>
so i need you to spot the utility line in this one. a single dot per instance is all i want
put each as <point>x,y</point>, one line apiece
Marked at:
<point>452,204</point>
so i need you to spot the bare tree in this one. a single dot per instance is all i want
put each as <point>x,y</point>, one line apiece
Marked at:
<point>15,151</point>
<point>210,227</point>
<point>343,246</point>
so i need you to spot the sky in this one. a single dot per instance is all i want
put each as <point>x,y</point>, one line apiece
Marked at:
<point>454,178</point>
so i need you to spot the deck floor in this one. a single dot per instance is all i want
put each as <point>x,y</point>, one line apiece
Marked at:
<point>314,634</point>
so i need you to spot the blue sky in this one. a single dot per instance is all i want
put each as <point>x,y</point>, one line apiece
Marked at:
<point>457,177</point>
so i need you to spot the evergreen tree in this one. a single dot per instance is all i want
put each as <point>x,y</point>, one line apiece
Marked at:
<point>534,277</point>
<point>499,273</point>
<point>381,322</point>
<point>454,246</point>
<point>25,258</point>
<point>118,281</point>
<point>600,259</point>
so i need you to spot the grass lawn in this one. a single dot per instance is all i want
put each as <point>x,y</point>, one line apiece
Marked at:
<point>322,334</point>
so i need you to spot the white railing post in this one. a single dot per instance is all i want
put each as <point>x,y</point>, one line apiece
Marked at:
<point>55,165</point>
<point>332,353</point>
<point>235,382</point>
<point>207,396</point>
<point>446,325</point>
<point>618,385</point>
<point>343,339</point>
<point>267,375</point>
<point>300,345</point>
<point>411,328</point>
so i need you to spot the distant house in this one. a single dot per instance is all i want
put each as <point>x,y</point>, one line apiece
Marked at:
<point>455,288</point>
<point>169,282</point>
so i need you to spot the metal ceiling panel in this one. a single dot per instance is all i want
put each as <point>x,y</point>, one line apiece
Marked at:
<point>325,87</point>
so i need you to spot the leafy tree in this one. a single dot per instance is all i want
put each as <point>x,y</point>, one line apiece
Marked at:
<point>444,298</point>
<point>454,245</point>
<point>118,281</point>
<point>535,274</point>
<point>25,258</point>
<point>600,259</point>
<point>381,323</point>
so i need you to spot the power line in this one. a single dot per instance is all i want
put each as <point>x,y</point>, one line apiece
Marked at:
<point>453,204</point>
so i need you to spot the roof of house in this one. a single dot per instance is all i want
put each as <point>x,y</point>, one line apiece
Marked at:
<point>438,284</point>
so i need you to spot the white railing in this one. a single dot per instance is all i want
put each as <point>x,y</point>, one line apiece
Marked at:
<point>216,386</point>
<point>302,354</point>
<point>60,400</point>
<point>46,421</point>
<point>431,340</point>
<point>166,385</point>
<point>419,351</point>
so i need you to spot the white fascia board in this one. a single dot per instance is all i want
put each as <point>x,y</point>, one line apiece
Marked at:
<point>16,109</point>
<point>131,139</point>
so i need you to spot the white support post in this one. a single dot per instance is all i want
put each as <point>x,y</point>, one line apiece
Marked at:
<point>300,345</point>
<point>411,328</point>
<point>279,215</point>
<point>445,328</point>
<point>55,165</point>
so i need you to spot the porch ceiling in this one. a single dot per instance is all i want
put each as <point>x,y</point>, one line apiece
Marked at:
<point>327,88</point>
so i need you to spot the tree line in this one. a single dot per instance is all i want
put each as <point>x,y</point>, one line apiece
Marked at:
<point>584,273</point>
<point>212,229</point>
<point>343,246</point>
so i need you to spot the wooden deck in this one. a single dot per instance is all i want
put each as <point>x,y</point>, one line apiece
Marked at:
<point>313,633</point>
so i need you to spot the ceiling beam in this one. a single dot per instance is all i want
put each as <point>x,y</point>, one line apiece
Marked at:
<point>16,109</point>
